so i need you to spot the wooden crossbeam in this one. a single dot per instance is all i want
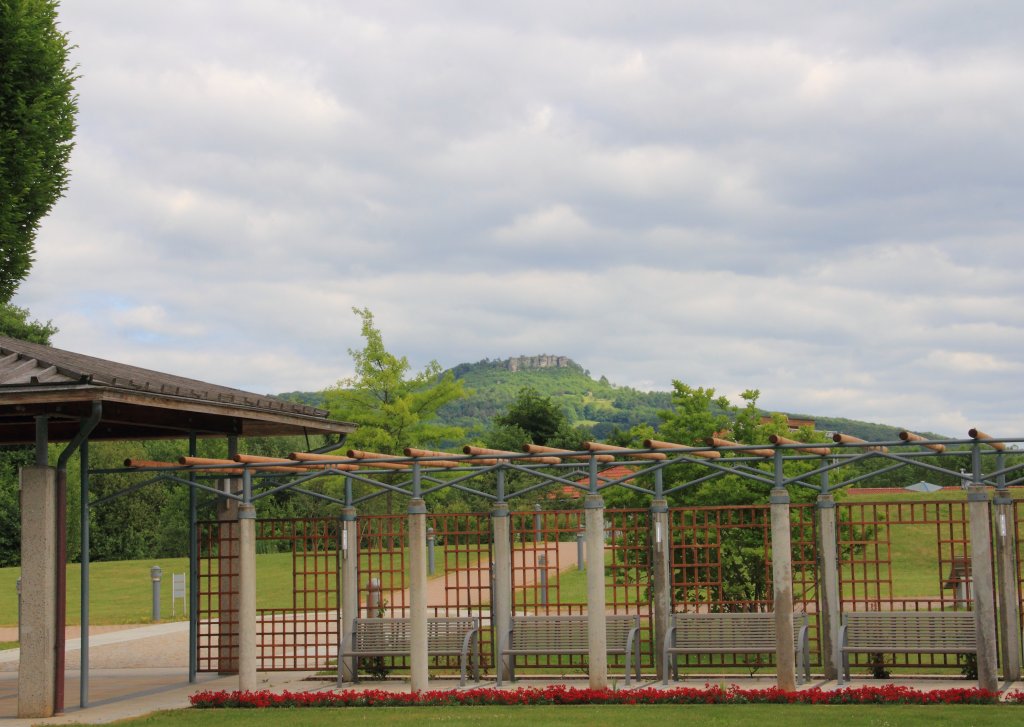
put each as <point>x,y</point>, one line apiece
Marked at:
<point>690,451</point>
<point>624,451</point>
<point>718,442</point>
<point>194,461</point>
<point>374,460</point>
<point>540,449</point>
<point>911,437</point>
<point>412,452</point>
<point>976,433</point>
<point>850,439</point>
<point>312,457</point>
<point>778,439</point>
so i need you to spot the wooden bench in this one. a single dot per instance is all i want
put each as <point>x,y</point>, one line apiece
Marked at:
<point>544,635</point>
<point>446,636</point>
<point>731,633</point>
<point>905,632</point>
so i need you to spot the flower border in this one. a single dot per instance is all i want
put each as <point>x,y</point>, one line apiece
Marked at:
<point>560,694</point>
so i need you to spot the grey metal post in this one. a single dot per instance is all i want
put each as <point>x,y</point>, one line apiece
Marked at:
<point>37,667</point>
<point>536,523</point>
<point>828,584</point>
<point>247,617</point>
<point>661,571</point>
<point>1006,572</point>
<point>430,551</point>
<point>419,672</point>
<point>83,682</point>
<point>782,582</point>
<point>596,620</point>
<point>501,595</point>
<point>349,588</point>
<point>155,575</point>
<point>982,585</point>
<point>579,550</point>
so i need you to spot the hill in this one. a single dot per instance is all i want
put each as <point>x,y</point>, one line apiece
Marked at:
<point>596,403</point>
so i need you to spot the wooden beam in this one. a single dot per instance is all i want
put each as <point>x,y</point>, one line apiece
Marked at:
<point>717,442</point>
<point>911,437</point>
<point>540,449</point>
<point>778,439</point>
<point>978,434</point>
<point>312,457</point>
<point>688,451</point>
<point>624,451</point>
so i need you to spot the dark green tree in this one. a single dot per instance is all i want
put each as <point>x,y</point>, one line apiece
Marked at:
<point>15,323</point>
<point>37,124</point>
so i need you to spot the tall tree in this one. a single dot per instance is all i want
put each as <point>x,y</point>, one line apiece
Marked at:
<point>14,322</point>
<point>37,124</point>
<point>393,408</point>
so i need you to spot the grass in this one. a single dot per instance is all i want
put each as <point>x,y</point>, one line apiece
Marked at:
<point>747,715</point>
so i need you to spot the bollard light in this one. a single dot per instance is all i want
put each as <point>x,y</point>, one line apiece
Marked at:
<point>155,573</point>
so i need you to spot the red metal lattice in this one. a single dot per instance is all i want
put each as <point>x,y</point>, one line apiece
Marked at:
<point>875,573</point>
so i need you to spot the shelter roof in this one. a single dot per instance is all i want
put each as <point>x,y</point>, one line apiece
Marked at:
<point>137,403</point>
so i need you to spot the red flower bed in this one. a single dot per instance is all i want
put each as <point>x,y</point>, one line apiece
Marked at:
<point>559,694</point>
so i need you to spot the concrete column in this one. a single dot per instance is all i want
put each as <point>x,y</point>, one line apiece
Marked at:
<point>661,572</point>
<point>982,585</point>
<point>37,688</point>
<point>596,621</point>
<point>349,587</point>
<point>227,579</point>
<point>828,584</point>
<point>419,671</point>
<point>501,598</point>
<point>782,585</point>
<point>247,619</point>
<point>1006,569</point>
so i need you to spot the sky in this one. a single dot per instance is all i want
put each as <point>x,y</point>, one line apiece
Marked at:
<point>822,201</point>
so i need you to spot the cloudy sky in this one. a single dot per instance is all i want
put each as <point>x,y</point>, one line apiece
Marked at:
<point>819,200</point>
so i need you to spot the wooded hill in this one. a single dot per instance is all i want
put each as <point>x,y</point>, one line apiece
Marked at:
<point>595,403</point>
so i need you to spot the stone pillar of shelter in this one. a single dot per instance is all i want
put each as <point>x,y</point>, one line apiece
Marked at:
<point>828,584</point>
<point>661,571</point>
<point>37,686</point>
<point>419,671</point>
<point>782,589</point>
<point>248,625</point>
<point>983,585</point>
<point>349,588</point>
<point>227,578</point>
<point>1006,569</point>
<point>596,620</point>
<point>501,598</point>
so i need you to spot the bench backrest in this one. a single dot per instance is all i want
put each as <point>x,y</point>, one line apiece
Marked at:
<point>443,634</point>
<point>559,633</point>
<point>910,629</point>
<point>730,630</point>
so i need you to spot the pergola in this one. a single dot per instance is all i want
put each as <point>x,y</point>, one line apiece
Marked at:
<point>49,395</point>
<point>242,480</point>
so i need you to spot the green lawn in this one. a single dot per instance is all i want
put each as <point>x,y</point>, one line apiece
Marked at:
<point>747,715</point>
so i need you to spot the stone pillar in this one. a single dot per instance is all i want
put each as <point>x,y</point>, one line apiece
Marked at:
<point>782,586</point>
<point>597,623</point>
<point>661,572</point>
<point>349,588</point>
<point>248,625</point>
<point>37,688</point>
<point>501,598</point>
<point>227,579</point>
<point>1006,568</point>
<point>982,585</point>
<point>419,672</point>
<point>828,585</point>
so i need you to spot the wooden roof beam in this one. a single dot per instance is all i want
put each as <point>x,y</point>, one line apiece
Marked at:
<point>850,439</point>
<point>777,440</point>
<point>976,433</point>
<point>312,457</point>
<point>718,442</point>
<point>690,451</point>
<point>624,451</point>
<point>911,437</point>
<point>560,453</point>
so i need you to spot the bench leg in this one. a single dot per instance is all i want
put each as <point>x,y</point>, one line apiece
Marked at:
<point>629,654</point>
